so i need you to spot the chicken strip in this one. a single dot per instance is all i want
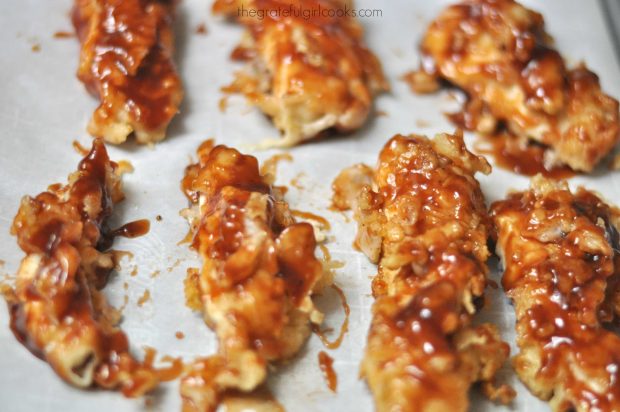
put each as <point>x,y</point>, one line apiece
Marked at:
<point>126,61</point>
<point>259,273</point>
<point>560,252</point>
<point>57,310</point>
<point>421,216</point>
<point>498,52</point>
<point>310,72</point>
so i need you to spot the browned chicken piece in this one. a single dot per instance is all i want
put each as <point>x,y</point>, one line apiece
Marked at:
<point>421,216</point>
<point>498,52</point>
<point>258,277</point>
<point>57,310</point>
<point>126,61</point>
<point>308,73</point>
<point>560,252</point>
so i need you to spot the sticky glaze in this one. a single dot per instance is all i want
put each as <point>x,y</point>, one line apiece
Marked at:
<point>56,308</point>
<point>255,256</point>
<point>560,252</point>
<point>126,61</point>
<point>326,364</point>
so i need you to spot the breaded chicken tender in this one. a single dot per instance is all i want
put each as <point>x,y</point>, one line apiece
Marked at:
<point>308,73</point>
<point>57,309</point>
<point>421,216</point>
<point>560,251</point>
<point>498,52</point>
<point>126,61</point>
<point>259,274</point>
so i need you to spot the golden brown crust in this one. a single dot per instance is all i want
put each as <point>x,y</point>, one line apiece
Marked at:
<point>422,216</point>
<point>309,74</point>
<point>258,276</point>
<point>499,53</point>
<point>56,308</point>
<point>126,60</point>
<point>560,254</point>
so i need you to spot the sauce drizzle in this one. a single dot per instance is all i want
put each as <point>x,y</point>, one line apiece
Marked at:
<point>311,216</point>
<point>326,363</point>
<point>344,328</point>
<point>129,230</point>
<point>509,154</point>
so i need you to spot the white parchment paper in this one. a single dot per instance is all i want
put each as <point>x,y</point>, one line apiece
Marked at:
<point>43,108</point>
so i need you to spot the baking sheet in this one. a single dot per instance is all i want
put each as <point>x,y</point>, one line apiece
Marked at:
<point>43,108</point>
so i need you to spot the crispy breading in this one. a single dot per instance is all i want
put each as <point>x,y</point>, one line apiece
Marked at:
<point>308,73</point>
<point>258,276</point>
<point>498,52</point>
<point>560,254</point>
<point>126,61</point>
<point>421,216</point>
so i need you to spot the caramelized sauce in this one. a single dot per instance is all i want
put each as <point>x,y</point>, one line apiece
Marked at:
<point>335,54</point>
<point>149,356</point>
<point>311,216</point>
<point>174,371</point>
<point>270,166</point>
<point>431,315</point>
<point>64,226</point>
<point>425,221</point>
<point>499,54</point>
<point>91,182</point>
<point>81,150</point>
<point>378,287</point>
<point>129,65</point>
<point>296,261</point>
<point>201,29</point>
<point>326,364</point>
<point>164,374</point>
<point>254,252</point>
<point>510,154</point>
<point>568,284</point>
<point>241,54</point>
<point>129,230</point>
<point>344,328</point>
<point>63,35</point>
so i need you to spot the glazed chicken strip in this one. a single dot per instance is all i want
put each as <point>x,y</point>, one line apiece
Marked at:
<point>560,254</point>
<point>126,61</point>
<point>57,310</point>
<point>421,216</point>
<point>309,74</point>
<point>259,273</point>
<point>498,52</point>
